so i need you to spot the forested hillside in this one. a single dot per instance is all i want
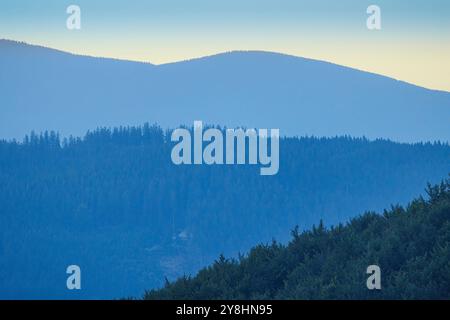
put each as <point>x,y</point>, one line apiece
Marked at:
<point>115,204</point>
<point>410,245</point>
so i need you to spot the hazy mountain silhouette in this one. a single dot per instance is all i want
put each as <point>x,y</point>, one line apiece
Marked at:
<point>44,89</point>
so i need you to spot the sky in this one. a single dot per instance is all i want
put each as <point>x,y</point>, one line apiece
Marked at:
<point>413,44</point>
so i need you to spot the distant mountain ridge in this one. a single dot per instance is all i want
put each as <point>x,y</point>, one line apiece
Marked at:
<point>49,89</point>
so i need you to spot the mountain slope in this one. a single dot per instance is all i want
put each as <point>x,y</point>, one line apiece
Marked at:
<point>46,89</point>
<point>115,204</point>
<point>411,246</point>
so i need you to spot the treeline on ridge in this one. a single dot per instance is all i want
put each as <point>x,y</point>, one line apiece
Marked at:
<point>410,245</point>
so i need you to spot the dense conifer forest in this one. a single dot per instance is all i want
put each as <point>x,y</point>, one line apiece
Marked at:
<point>113,203</point>
<point>411,246</point>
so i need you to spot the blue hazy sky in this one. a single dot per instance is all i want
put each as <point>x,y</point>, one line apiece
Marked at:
<point>413,45</point>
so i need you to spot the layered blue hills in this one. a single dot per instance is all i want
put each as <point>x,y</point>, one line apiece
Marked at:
<point>113,202</point>
<point>46,89</point>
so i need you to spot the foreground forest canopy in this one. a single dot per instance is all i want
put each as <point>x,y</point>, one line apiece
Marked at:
<point>411,246</point>
<point>114,203</point>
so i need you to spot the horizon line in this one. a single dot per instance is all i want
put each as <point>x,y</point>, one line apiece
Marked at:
<point>213,55</point>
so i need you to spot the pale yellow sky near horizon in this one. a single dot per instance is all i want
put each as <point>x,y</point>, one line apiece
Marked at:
<point>413,44</point>
<point>405,61</point>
